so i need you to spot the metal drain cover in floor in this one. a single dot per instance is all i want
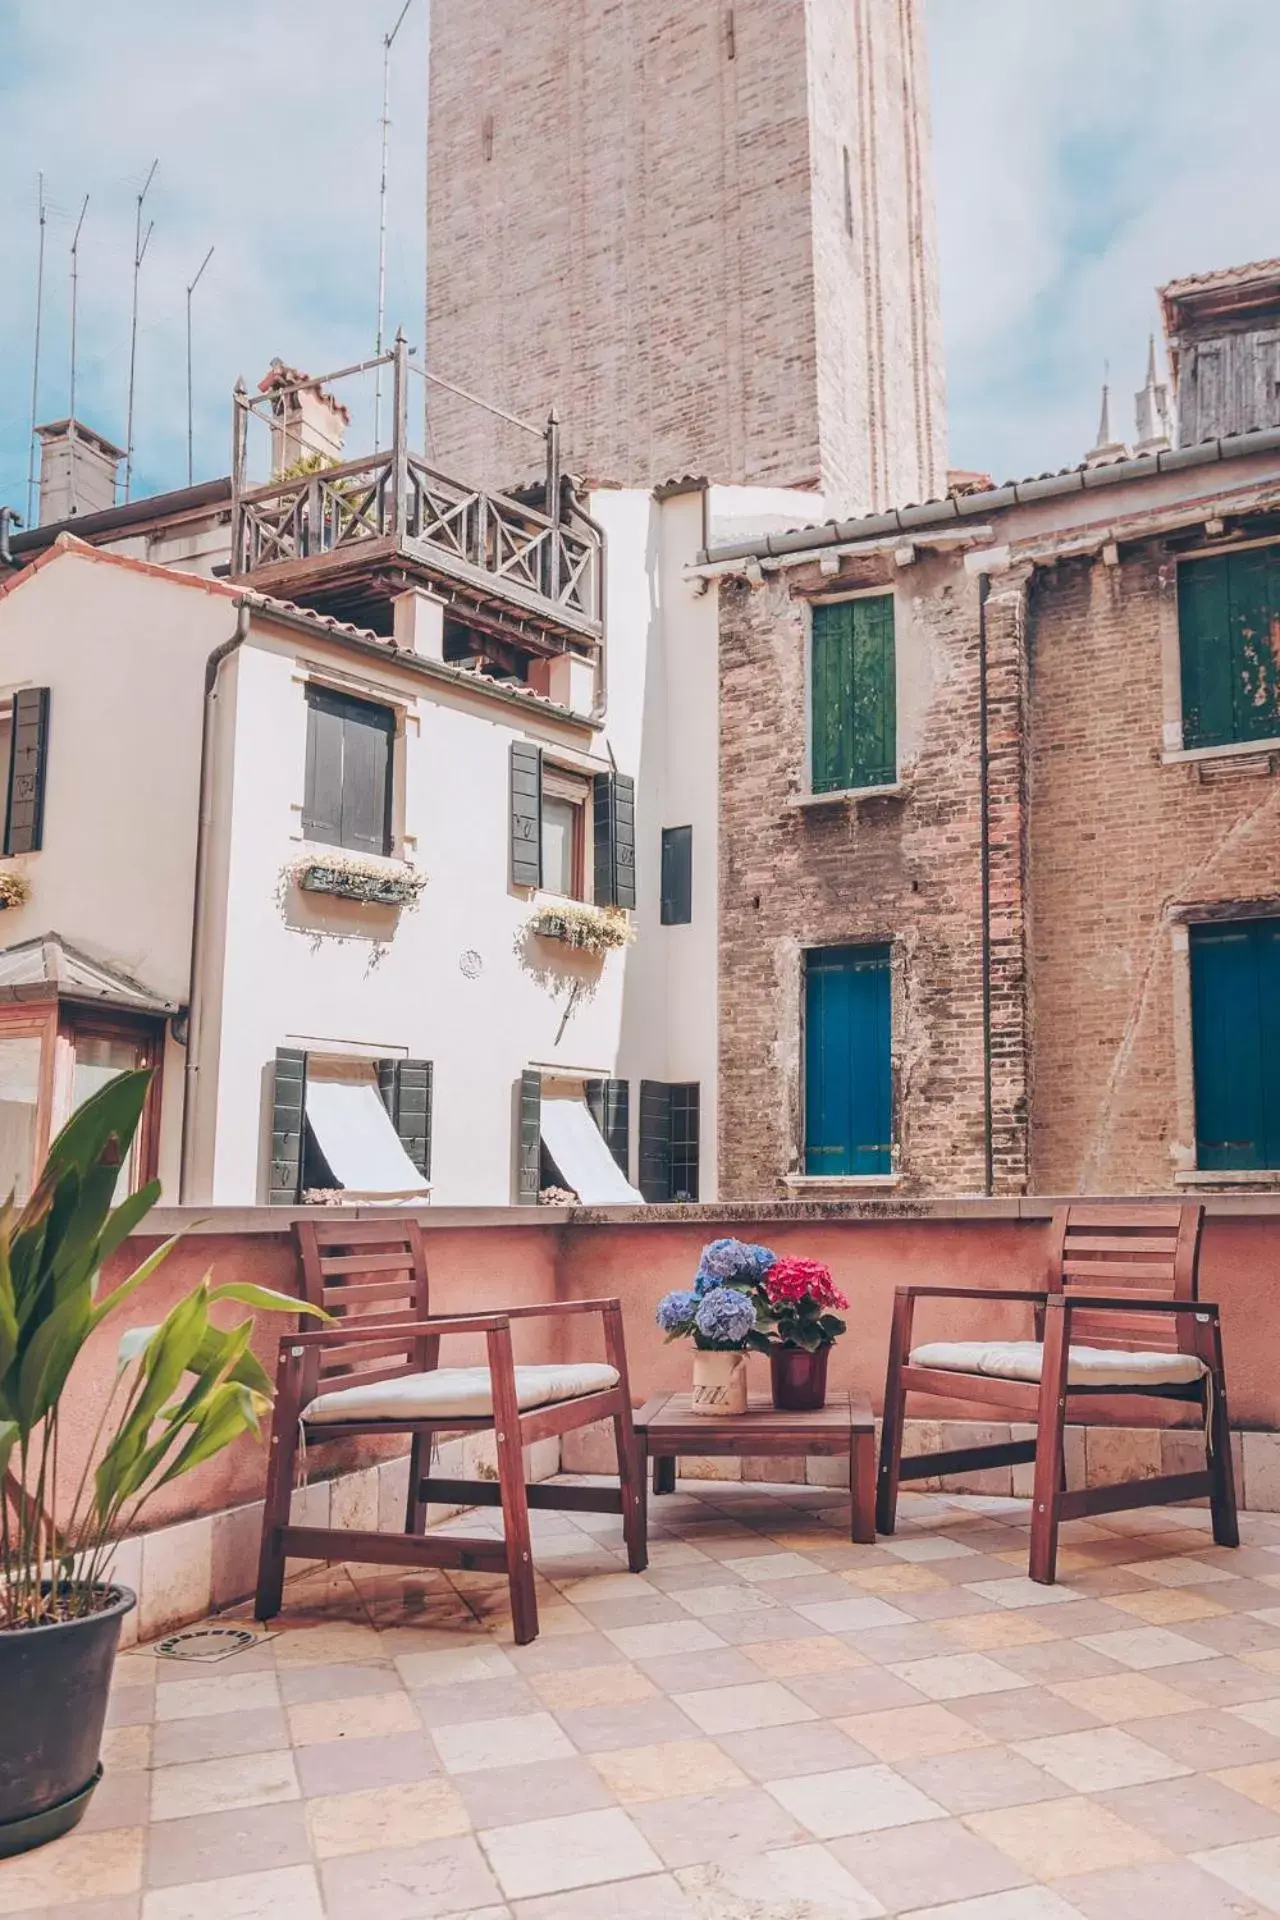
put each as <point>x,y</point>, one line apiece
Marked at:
<point>210,1643</point>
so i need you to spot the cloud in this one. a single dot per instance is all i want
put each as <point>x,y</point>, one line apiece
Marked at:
<point>1085,151</point>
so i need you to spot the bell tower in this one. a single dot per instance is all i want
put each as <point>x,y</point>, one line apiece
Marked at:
<point>704,232</point>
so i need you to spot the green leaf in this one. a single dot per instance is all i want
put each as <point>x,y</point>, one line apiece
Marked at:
<point>264,1299</point>
<point>144,1272</point>
<point>8,1440</point>
<point>110,1115</point>
<point>165,1359</point>
<point>49,1359</point>
<point>230,1411</point>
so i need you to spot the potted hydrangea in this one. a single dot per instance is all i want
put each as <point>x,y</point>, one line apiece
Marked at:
<point>719,1314</point>
<point>798,1328</point>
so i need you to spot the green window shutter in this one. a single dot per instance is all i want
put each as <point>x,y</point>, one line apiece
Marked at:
<point>288,1118</point>
<point>609,1102</point>
<point>655,1141</point>
<point>350,757</point>
<point>853,695</point>
<point>24,812</point>
<point>526,814</point>
<point>406,1088</point>
<point>1235,1028</point>
<point>614,822</point>
<point>847,1056</point>
<point>677,876</point>
<point>684,1108</point>
<point>1228,627</point>
<point>528,1138</point>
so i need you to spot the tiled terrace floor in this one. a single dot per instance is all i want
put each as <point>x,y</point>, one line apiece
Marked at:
<point>771,1724</point>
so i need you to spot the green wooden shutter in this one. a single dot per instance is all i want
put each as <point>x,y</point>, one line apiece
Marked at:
<point>526,814</point>
<point>853,695</point>
<point>1235,1025</point>
<point>677,876</point>
<point>367,736</point>
<point>1228,630</point>
<point>609,1102</point>
<point>684,1102</point>
<point>288,1118</point>
<point>24,812</point>
<point>406,1088</point>
<point>848,1083</point>
<point>322,793</point>
<point>614,839</point>
<point>528,1138</point>
<point>655,1141</point>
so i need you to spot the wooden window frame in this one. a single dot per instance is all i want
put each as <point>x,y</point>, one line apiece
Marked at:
<point>561,783</point>
<point>144,1031</point>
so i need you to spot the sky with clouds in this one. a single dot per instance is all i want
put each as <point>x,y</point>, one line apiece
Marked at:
<point>1085,150</point>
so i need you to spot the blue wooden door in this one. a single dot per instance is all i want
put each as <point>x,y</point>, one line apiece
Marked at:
<point>1235,1022</point>
<point>848,1087</point>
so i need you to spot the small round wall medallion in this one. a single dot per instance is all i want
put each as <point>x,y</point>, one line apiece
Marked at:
<point>470,965</point>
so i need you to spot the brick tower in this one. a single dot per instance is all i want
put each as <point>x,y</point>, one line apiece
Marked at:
<point>703,231</point>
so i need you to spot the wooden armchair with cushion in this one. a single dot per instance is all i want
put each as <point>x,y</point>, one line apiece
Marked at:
<point>377,1372</point>
<point>1119,1317</point>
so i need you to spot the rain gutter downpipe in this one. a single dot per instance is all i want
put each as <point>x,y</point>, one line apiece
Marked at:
<point>195,983</point>
<point>984,845</point>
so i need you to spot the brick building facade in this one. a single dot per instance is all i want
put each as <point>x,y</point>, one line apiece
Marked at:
<point>1072,877</point>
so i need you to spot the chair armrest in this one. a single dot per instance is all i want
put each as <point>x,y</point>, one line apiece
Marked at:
<point>1125,1303</point>
<point>972,1293</point>
<point>560,1306</point>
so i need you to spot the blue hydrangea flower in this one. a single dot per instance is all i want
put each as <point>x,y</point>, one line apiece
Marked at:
<point>725,1315</point>
<point>676,1311</point>
<point>732,1260</point>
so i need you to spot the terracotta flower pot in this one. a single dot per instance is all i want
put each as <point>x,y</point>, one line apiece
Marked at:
<point>719,1383</point>
<point>799,1378</point>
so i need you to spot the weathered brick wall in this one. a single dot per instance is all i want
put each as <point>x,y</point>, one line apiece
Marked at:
<point>1117,841</point>
<point>642,220</point>
<point>902,868</point>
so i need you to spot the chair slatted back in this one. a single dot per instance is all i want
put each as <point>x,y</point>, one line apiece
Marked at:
<point>367,1270</point>
<point>1149,1250</point>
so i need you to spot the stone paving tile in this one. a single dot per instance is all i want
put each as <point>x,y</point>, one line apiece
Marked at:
<point>773,1721</point>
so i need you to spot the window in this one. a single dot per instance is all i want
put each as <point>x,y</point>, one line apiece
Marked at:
<point>848,1098</point>
<point>1235,1029</point>
<point>564,833</point>
<point>677,876</point>
<point>28,750</point>
<point>1229,637</point>
<point>853,727</point>
<point>349,1122</point>
<point>669,1138</point>
<point>21,1055</point>
<point>100,1057</point>
<point>51,1062</point>
<point>347,802</point>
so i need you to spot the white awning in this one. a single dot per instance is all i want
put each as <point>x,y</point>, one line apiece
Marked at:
<point>577,1146</point>
<point>353,1131</point>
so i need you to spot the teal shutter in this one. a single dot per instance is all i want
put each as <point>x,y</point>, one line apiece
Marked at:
<point>528,1138</point>
<point>526,814</point>
<point>287,1121</point>
<point>853,695</point>
<point>677,876</point>
<point>848,1078</point>
<point>614,839</point>
<point>655,1141</point>
<point>1228,628</point>
<point>1235,1025</point>
<point>609,1103</point>
<point>406,1089</point>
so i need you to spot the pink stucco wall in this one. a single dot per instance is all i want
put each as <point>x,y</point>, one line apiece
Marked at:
<point>486,1260</point>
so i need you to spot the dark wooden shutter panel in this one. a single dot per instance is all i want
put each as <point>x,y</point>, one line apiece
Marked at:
<point>677,876</point>
<point>685,1103</point>
<point>24,816</point>
<point>322,794</point>
<point>366,779</point>
<point>526,814</point>
<point>529,1138</point>
<point>406,1088</point>
<point>655,1140</point>
<point>288,1118</point>
<point>615,839</point>
<point>853,695</point>
<point>610,1104</point>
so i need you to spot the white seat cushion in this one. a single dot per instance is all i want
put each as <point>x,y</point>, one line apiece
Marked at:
<point>455,1393</point>
<point>1086,1366</point>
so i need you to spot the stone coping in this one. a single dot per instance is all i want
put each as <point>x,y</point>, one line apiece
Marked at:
<point>163,1220</point>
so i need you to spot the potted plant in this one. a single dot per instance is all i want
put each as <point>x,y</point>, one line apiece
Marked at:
<point>719,1314</point>
<point>797,1329</point>
<point>579,924</point>
<point>183,1391</point>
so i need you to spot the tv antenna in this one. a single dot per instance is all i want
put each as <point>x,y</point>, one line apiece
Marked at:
<point>191,458</point>
<point>387,42</point>
<point>35,357</point>
<point>75,296</point>
<point>140,242</point>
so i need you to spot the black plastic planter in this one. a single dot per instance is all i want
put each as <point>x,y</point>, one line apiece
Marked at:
<point>53,1688</point>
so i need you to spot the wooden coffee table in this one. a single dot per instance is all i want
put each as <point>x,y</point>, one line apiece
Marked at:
<point>665,1428</point>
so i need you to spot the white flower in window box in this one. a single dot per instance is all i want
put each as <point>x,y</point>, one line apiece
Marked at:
<point>586,928</point>
<point>354,876</point>
<point>15,889</point>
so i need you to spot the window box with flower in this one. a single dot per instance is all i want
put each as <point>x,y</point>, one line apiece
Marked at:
<point>586,928</point>
<point>382,883</point>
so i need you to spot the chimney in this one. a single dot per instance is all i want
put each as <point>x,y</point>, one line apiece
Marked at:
<point>77,471</point>
<point>1223,335</point>
<point>307,423</point>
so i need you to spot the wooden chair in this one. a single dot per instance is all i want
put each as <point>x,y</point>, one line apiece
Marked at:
<point>1119,1315</point>
<point>378,1372</point>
